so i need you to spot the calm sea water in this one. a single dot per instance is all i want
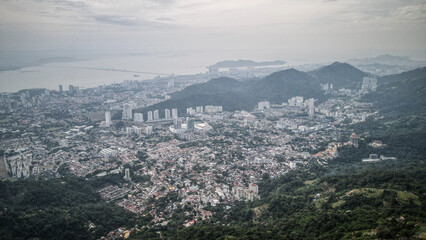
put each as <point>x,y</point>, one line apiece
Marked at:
<point>86,74</point>
<point>104,71</point>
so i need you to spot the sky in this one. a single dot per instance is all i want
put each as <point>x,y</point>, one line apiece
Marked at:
<point>257,29</point>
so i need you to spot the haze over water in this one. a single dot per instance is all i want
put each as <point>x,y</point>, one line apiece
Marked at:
<point>93,73</point>
<point>109,70</point>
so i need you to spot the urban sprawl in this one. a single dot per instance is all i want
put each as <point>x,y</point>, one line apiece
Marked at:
<point>204,154</point>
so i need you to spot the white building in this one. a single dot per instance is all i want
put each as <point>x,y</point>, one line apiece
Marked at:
<point>127,111</point>
<point>156,115</point>
<point>174,113</point>
<point>296,101</point>
<point>171,84</point>
<point>263,105</point>
<point>310,102</point>
<point>149,116</point>
<point>138,117</point>
<point>212,109</point>
<point>127,175</point>
<point>199,109</point>
<point>369,84</point>
<point>167,114</point>
<point>190,111</point>
<point>129,131</point>
<point>137,130</point>
<point>311,111</point>
<point>148,130</point>
<point>108,121</point>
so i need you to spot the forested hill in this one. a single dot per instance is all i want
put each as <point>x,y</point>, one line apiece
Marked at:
<point>57,209</point>
<point>401,94</point>
<point>384,201</point>
<point>235,95</point>
<point>341,75</point>
<point>277,88</point>
<point>214,86</point>
<point>280,86</point>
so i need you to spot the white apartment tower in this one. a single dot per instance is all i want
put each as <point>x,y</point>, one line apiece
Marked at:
<point>167,113</point>
<point>138,117</point>
<point>127,175</point>
<point>148,130</point>
<point>108,121</point>
<point>150,116</point>
<point>127,111</point>
<point>156,115</point>
<point>174,113</point>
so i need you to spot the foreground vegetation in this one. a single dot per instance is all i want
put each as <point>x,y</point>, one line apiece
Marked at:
<point>67,208</point>
<point>386,201</point>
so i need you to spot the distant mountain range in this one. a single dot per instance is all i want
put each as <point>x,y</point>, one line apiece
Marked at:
<point>386,59</point>
<point>276,88</point>
<point>386,64</point>
<point>244,63</point>
<point>235,95</point>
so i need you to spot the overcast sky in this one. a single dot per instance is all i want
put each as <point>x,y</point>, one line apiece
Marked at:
<point>261,29</point>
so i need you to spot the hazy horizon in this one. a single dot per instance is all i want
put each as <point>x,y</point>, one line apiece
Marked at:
<point>318,31</point>
<point>184,37</point>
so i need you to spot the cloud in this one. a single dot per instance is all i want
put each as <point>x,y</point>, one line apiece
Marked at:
<point>118,20</point>
<point>411,12</point>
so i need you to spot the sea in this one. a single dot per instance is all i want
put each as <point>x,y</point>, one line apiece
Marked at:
<point>104,71</point>
<point>96,72</point>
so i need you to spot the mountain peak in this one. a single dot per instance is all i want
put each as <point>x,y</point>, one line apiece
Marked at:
<point>339,64</point>
<point>223,80</point>
<point>341,75</point>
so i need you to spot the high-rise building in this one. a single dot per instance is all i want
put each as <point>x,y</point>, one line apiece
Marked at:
<point>137,130</point>
<point>190,111</point>
<point>167,114</point>
<point>190,125</point>
<point>127,175</point>
<point>364,117</point>
<point>156,115</point>
<point>174,113</point>
<point>310,102</point>
<point>150,116</point>
<point>60,89</point>
<point>71,89</point>
<point>108,121</point>
<point>369,84</point>
<point>177,123</point>
<point>311,112</point>
<point>149,130</point>
<point>199,109</point>
<point>127,111</point>
<point>138,117</point>
<point>129,131</point>
<point>171,84</point>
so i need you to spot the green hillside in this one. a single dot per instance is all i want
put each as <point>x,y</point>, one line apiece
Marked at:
<point>383,201</point>
<point>56,209</point>
<point>341,75</point>
<point>401,93</point>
